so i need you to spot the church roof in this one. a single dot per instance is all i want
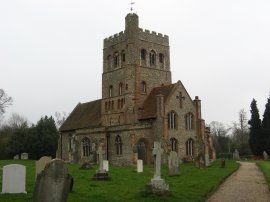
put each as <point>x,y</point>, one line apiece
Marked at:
<point>84,115</point>
<point>150,104</point>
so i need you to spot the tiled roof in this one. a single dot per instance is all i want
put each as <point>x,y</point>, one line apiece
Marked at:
<point>84,115</point>
<point>150,104</point>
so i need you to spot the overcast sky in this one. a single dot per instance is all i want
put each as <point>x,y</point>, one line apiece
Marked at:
<point>51,51</point>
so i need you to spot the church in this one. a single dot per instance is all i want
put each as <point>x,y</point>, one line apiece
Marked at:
<point>139,104</point>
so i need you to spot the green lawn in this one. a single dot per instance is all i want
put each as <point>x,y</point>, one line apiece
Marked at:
<point>265,167</point>
<point>127,185</point>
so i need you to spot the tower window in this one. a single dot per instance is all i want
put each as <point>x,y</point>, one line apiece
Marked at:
<point>115,59</point>
<point>143,54</point>
<point>161,58</point>
<point>152,58</point>
<point>120,88</point>
<point>110,91</point>
<point>123,54</point>
<point>108,63</point>
<point>143,87</point>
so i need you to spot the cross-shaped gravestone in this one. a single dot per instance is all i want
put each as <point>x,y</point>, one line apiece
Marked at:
<point>157,151</point>
<point>100,153</point>
<point>181,98</point>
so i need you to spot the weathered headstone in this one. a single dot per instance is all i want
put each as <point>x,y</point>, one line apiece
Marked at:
<point>157,185</point>
<point>222,163</point>
<point>24,156</point>
<point>101,173</point>
<point>173,164</point>
<point>139,166</point>
<point>53,184</point>
<point>207,160</point>
<point>13,180</point>
<point>41,163</point>
<point>16,157</point>
<point>106,165</point>
<point>236,155</point>
<point>265,156</point>
<point>85,165</point>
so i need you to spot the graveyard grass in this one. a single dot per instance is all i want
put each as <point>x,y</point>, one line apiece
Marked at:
<point>192,184</point>
<point>265,167</point>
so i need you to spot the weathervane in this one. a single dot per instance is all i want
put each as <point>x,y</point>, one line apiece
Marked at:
<point>131,5</point>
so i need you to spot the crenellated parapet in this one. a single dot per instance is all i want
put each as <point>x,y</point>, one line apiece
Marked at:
<point>154,37</point>
<point>114,39</point>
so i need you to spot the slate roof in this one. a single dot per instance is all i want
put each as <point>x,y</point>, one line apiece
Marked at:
<point>150,104</point>
<point>84,115</point>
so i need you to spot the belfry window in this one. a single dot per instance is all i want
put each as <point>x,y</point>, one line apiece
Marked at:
<point>143,54</point>
<point>120,88</point>
<point>86,149</point>
<point>110,91</point>
<point>161,58</point>
<point>172,120</point>
<point>152,57</point>
<point>115,59</point>
<point>123,56</point>
<point>118,145</point>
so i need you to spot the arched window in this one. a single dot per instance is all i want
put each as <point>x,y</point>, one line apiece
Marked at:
<point>115,59</point>
<point>152,57</point>
<point>118,145</point>
<point>143,54</point>
<point>86,149</point>
<point>173,144</point>
<point>190,147</point>
<point>143,87</point>
<point>110,91</point>
<point>172,120</point>
<point>120,89</point>
<point>123,56</point>
<point>109,63</point>
<point>118,104</point>
<point>189,121</point>
<point>161,58</point>
<point>112,104</point>
<point>122,102</point>
<point>106,106</point>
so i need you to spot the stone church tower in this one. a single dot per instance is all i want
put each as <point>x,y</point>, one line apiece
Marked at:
<point>139,105</point>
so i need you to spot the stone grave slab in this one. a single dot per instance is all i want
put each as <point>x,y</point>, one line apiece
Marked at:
<point>41,163</point>
<point>139,166</point>
<point>13,180</point>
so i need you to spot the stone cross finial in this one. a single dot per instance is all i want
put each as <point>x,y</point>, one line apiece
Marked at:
<point>157,151</point>
<point>181,98</point>
<point>100,153</point>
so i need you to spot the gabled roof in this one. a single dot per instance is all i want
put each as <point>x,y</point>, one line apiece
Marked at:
<point>150,104</point>
<point>84,115</point>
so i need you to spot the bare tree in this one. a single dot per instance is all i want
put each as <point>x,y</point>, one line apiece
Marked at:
<point>60,118</point>
<point>16,121</point>
<point>5,101</point>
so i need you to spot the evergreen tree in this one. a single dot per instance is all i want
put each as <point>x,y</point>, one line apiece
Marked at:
<point>256,141</point>
<point>266,115</point>
<point>266,126</point>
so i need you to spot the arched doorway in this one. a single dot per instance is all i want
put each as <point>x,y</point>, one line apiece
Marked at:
<point>142,150</point>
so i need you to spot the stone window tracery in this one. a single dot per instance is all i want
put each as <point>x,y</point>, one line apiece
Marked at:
<point>172,120</point>
<point>86,149</point>
<point>118,145</point>
<point>143,87</point>
<point>190,147</point>
<point>152,57</point>
<point>174,144</point>
<point>189,121</point>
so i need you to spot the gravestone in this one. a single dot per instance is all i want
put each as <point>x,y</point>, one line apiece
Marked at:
<point>13,180</point>
<point>24,156</point>
<point>236,155</point>
<point>157,184</point>
<point>85,165</point>
<point>41,163</point>
<point>53,184</point>
<point>173,164</point>
<point>207,160</point>
<point>265,156</point>
<point>16,157</point>
<point>139,166</point>
<point>101,173</point>
<point>222,163</point>
<point>106,165</point>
